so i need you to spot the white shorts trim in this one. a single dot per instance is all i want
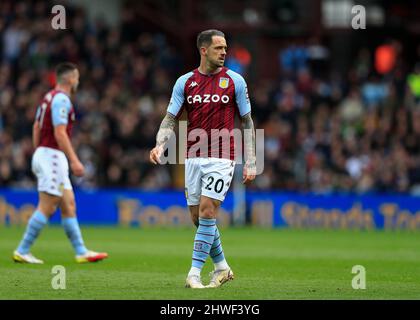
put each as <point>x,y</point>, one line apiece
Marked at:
<point>210,177</point>
<point>51,169</point>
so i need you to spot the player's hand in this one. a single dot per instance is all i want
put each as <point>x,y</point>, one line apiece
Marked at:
<point>155,154</point>
<point>249,172</point>
<point>77,168</point>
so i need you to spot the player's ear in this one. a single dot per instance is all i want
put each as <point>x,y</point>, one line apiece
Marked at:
<point>203,50</point>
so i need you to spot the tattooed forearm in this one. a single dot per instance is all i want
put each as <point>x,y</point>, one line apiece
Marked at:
<point>166,128</point>
<point>249,141</point>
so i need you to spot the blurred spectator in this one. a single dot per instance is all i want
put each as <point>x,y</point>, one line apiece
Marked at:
<point>374,92</point>
<point>413,81</point>
<point>294,58</point>
<point>239,59</point>
<point>118,105</point>
<point>385,58</point>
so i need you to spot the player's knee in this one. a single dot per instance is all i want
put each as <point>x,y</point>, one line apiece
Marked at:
<point>48,209</point>
<point>207,213</point>
<point>72,206</point>
<point>68,208</point>
<point>207,210</point>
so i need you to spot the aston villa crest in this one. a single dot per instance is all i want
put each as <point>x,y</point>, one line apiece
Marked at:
<point>223,83</point>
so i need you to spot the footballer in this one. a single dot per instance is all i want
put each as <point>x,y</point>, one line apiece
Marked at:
<point>212,95</point>
<point>50,163</point>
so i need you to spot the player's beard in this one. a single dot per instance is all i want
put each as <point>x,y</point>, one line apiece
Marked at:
<point>217,63</point>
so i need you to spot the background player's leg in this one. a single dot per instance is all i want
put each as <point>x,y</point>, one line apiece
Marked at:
<point>72,229</point>
<point>47,205</point>
<point>70,223</point>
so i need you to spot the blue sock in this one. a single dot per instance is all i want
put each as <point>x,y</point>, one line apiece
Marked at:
<point>33,229</point>
<point>203,241</point>
<point>71,227</point>
<point>216,252</point>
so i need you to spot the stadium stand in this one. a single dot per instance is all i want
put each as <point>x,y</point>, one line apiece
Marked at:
<point>324,132</point>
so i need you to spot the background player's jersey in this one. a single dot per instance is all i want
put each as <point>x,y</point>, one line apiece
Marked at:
<point>55,109</point>
<point>211,101</point>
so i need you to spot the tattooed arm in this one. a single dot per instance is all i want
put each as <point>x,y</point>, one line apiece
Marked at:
<point>249,146</point>
<point>168,124</point>
<point>165,130</point>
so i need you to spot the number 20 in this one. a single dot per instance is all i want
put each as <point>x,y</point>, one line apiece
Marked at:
<point>218,186</point>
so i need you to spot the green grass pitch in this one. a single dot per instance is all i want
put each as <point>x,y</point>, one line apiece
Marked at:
<point>268,264</point>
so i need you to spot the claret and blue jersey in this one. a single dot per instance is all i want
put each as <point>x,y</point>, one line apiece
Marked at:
<point>55,109</point>
<point>211,102</point>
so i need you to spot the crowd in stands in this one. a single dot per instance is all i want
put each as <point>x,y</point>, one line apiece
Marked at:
<point>355,132</point>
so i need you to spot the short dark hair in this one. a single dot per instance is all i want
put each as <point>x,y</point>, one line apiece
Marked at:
<point>63,68</point>
<point>206,37</point>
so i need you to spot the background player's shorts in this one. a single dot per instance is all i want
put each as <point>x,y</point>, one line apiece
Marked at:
<point>210,177</point>
<point>52,171</point>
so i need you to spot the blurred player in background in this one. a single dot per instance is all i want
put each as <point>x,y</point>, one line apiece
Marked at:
<point>51,138</point>
<point>212,95</point>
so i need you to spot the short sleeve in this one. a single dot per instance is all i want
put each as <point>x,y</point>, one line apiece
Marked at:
<point>60,109</point>
<point>241,93</point>
<point>38,113</point>
<point>177,98</point>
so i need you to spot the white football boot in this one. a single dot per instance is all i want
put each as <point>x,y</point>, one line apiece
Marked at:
<point>219,277</point>
<point>26,258</point>
<point>194,282</point>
